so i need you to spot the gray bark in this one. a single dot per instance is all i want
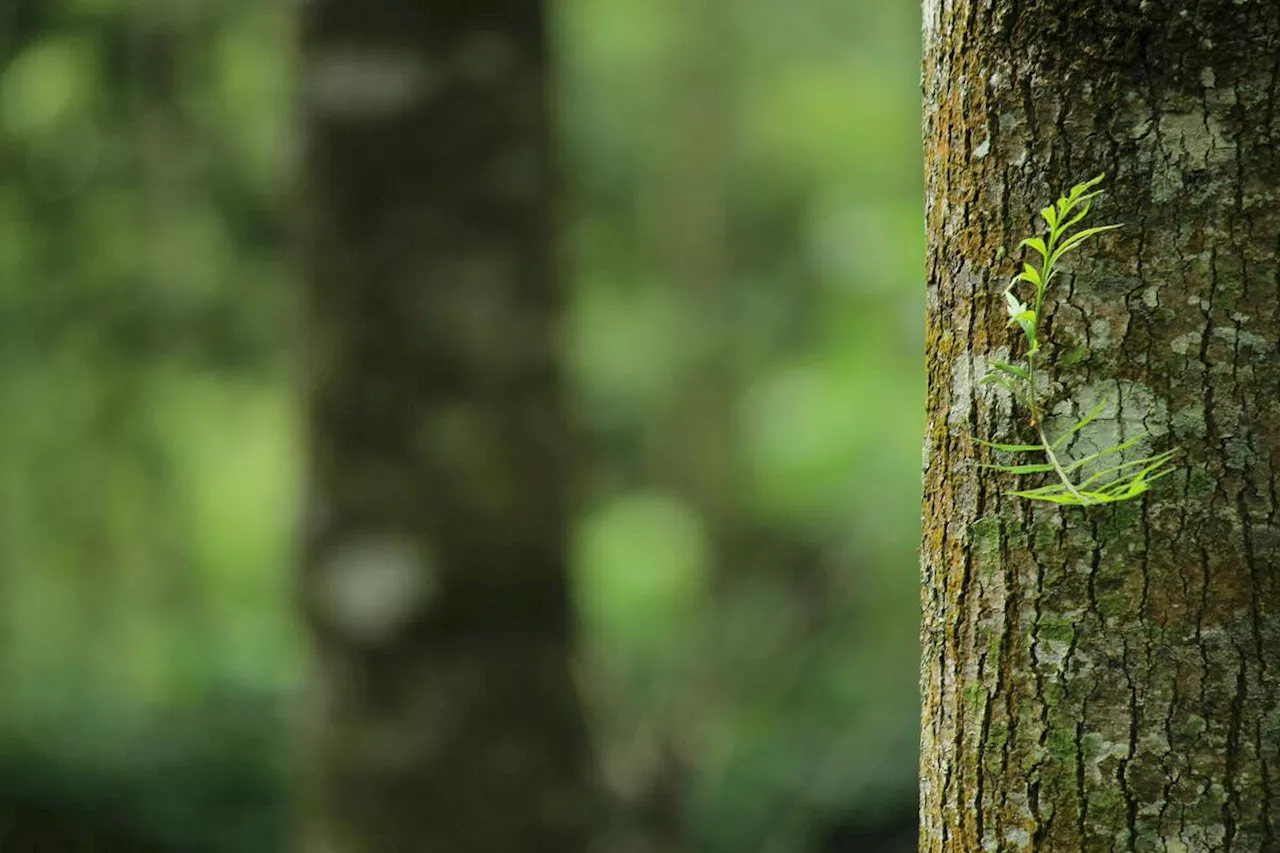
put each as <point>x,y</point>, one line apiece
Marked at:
<point>1106,679</point>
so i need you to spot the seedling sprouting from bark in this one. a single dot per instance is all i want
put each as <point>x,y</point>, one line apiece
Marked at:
<point>1105,482</point>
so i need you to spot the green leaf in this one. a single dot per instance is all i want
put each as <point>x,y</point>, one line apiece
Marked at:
<point>1152,463</point>
<point>1031,274</point>
<point>1105,498</point>
<point>1050,215</point>
<point>1076,239</point>
<point>1084,211</point>
<point>1027,320</point>
<point>1051,489</point>
<point>1057,494</point>
<point>1010,448</point>
<point>1068,205</point>
<point>1080,424</point>
<point>1080,189</point>
<point>1109,451</point>
<point>1151,472</point>
<point>996,379</point>
<point>1036,243</point>
<point>1020,372</point>
<point>1064,497</point>
<point>1032,468</point>
<point>1015,306</point>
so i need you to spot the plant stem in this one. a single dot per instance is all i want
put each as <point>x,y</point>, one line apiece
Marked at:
<point>1035,419</point>
<point>1057,466</point>
<point>1031,382</point>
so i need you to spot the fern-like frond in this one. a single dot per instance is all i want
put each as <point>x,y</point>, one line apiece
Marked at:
<point>1119,482</point>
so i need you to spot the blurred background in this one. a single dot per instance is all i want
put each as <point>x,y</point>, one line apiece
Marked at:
<point>743,241</point>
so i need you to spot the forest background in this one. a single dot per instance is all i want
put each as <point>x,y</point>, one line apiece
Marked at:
<point>742,236</point>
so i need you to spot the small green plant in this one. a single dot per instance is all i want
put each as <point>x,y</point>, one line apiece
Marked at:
<point>1105,482</point>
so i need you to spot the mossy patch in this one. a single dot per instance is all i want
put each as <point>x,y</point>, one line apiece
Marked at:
<point>1076,355</point>
<point>995,644</point>
<point>1055,627</point>
<point>984,539</point>
<point>1061,744</point>
<point>1091,745</point>
<point>1271,732</point>
<point>975,696</point>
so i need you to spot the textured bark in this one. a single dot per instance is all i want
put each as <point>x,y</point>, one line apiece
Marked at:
<point>1106,679</point>
<point>444,716</point>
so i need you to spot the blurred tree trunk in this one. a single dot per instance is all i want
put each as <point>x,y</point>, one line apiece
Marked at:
<point>444,715</point>
<point>1106,679</point>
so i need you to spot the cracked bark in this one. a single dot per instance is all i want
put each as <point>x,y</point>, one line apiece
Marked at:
<point>442,714</point>
<point>1106,679</point>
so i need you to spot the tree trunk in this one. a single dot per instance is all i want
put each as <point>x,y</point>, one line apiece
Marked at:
<point>443,713</point>
<point>1106,679</point>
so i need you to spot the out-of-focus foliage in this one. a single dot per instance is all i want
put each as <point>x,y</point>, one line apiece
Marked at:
<point>745,228</point>
<point>744,249</point>
<point>148,454</point>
